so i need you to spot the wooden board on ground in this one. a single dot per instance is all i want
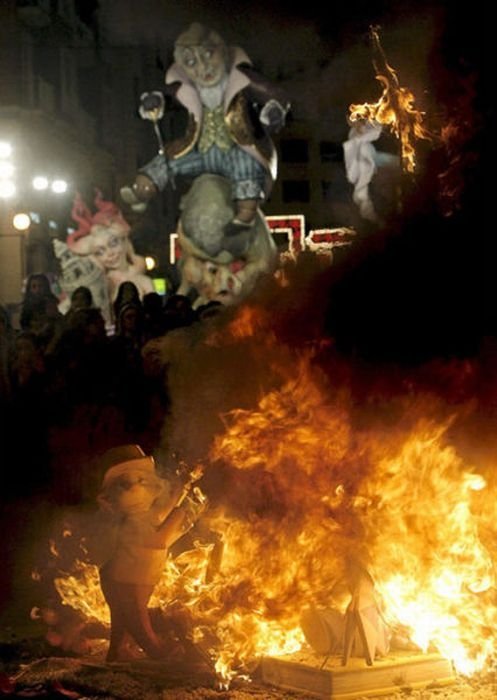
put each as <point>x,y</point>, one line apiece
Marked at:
<point>329,680</point>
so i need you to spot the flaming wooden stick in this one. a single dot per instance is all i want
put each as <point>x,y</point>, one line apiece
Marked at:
<point>394,109</point>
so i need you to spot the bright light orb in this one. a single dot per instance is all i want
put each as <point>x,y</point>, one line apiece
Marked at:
<point>6,169</point>
<point>5,149</point>
<point>21,221</point>
<point>7,189</point>
<point>40,182</point>
<point>59,186</point>
<point>150,262</point>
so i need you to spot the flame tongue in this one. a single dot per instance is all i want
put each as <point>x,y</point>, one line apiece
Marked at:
<point>309,499</point>
<point>429,563</point>
<point>394,109</point>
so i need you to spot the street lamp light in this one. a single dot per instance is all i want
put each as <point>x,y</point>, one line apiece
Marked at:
<point>21,221</point>
<point>7,185</point>
<point>40,182</point>
<point>59,186</point>
<point>32,234</point>
<point>6,170</point>
<point>150,262</point>
<point>5,149</point>
<point>7,189</point>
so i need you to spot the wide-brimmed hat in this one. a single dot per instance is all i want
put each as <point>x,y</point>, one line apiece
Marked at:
<point>126,459</point>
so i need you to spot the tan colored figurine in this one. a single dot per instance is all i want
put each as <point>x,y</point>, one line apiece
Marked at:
<point>152,514</point>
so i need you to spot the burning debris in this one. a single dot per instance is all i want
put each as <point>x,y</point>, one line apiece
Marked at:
<point>459,136</point>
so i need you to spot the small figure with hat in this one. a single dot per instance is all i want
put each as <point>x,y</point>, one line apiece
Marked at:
<point>152,512</point>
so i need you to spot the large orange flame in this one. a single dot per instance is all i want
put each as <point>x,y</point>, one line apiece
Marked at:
<point>312,486</point>
<point>394,109</point>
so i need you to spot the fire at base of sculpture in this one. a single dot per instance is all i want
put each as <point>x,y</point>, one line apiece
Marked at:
<point>305,672</point>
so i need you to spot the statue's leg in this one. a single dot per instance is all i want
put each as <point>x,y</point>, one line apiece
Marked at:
<point>117,634</point>
<point>152,178</point>
<point>117,620</point>
<point>129,615</point>
<point>157,174</point>
<point>248,178</point>
<point>137,619</point>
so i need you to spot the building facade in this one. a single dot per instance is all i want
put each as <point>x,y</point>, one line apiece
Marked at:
<point>68,113</point>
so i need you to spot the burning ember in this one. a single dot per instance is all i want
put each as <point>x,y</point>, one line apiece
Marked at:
<point>394,109</point>
<point>458,136</point>
<point>306,488</point>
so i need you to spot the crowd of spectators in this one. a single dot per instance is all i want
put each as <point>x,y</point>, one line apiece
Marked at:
<point>72,386</point>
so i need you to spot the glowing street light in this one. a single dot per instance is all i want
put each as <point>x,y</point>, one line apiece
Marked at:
<point>5,149</point>
<point>7,189</point>
<point>6,169</point>
<point>59,186</point>
<point>40,182</point>
<point>150,262</point>
<point>7,185</point>
<point>21,221</point>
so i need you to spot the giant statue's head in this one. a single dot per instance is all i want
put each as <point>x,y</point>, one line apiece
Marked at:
<point>202,54</point>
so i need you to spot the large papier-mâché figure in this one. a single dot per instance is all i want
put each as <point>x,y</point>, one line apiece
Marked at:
<point>232,111</point>
<point>105,236</point>
<point>81,270</point>
<point>151,513</point>
<point>205,266</point>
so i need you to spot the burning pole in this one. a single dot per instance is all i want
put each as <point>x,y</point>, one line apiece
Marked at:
<point>394,109</point>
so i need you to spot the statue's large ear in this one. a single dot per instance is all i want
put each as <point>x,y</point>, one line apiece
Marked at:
<point>106,503</point>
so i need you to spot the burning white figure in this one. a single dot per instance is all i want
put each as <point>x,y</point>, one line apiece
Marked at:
<point>152,514</point>
<point>360,164</point>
